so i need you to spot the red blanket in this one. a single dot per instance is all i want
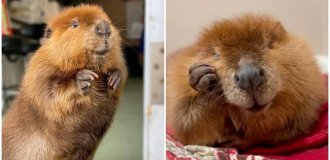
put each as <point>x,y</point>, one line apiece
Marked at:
<point>310,147</point>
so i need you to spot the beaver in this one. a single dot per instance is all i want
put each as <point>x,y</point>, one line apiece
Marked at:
<point>70,91</point>
<point>245,82</point>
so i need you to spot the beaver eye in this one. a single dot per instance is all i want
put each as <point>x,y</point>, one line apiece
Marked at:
<point>74,24</point>
<point>215,54</point>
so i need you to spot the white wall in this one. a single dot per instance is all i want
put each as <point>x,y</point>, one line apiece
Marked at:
<point>306,18</point>
<point>154,123</point>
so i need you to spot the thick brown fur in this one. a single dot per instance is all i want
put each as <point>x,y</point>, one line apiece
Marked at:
<point>51,118</point>
<point>293,92</point>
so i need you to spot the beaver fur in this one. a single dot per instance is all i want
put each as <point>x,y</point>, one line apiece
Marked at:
<point>70,90</point>
<point>206,107</point>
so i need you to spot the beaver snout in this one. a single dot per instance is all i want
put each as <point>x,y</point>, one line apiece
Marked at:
<point>249,76</point>
<point>103,28</point>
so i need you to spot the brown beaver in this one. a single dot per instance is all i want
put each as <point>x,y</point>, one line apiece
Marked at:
<point>70,90</point>
<point>246,81</point>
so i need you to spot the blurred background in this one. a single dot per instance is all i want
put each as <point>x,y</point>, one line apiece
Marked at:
<point>306,18</point>
<point>138,124</point>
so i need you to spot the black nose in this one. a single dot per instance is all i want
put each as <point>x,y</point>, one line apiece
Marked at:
<point>249,76</point>
<point>102,28</point>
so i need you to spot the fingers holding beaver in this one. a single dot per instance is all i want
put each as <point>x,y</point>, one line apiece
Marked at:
<point>83,78</point>
<point>113,79</point>
<point>202,77</point>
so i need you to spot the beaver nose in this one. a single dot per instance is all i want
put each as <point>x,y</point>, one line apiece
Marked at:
<point>249,76</point>
<point>102,28</point>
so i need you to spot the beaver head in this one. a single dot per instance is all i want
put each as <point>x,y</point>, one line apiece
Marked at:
<point>245,52</point>
<point>80,33</point>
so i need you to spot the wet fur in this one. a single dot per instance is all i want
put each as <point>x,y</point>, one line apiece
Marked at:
<point>294,86</point>
<point>50,118</point>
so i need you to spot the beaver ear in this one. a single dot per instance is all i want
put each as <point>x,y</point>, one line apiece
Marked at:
<point>279,30</point>
<point>278,34</point>
<point>48,32</point>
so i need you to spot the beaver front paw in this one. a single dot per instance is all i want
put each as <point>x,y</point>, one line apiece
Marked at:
<point>113,78</point>
<point>202,77</point>
<point>83,79</point>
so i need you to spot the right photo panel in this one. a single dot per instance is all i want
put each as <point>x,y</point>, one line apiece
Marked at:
<point>246,79</point>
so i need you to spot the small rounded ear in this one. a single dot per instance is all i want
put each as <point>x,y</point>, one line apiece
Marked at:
<point>277,34</point>
<point>279,30</point>
<point>48,32</point>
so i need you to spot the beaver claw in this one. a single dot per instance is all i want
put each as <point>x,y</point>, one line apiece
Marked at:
<point>202,77</point>
<point>113,78</point>
<point>83,78</point>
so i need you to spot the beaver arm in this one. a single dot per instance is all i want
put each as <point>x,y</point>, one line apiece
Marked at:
<point>55,94</point>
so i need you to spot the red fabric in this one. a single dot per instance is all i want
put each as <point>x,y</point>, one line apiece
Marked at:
<point>176,151</point>
<point>310,147</point>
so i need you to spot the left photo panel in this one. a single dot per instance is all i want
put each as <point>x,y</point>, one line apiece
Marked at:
<point>78,79</point>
